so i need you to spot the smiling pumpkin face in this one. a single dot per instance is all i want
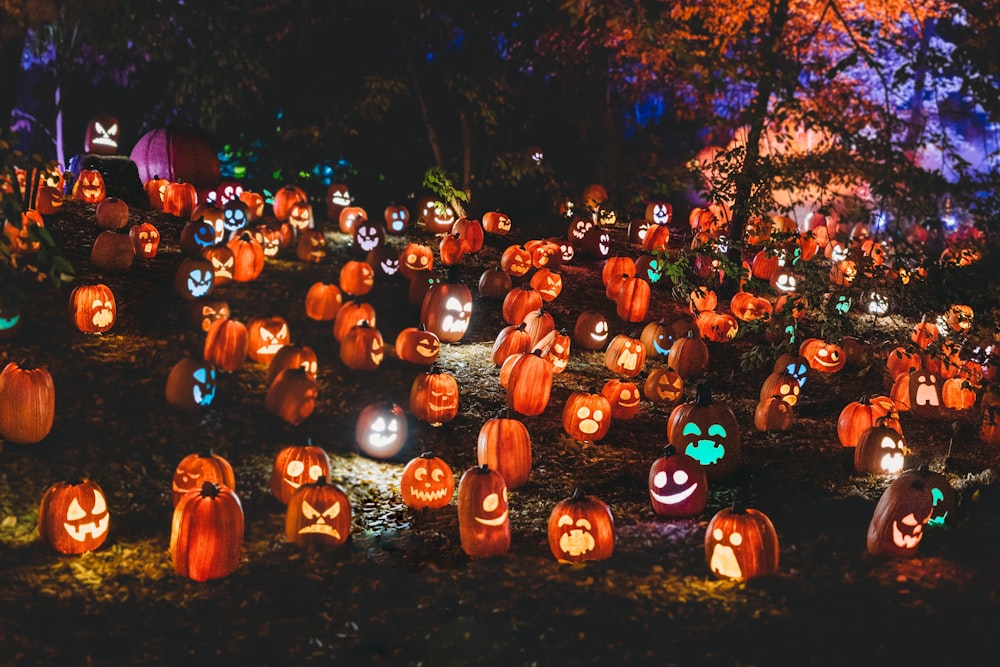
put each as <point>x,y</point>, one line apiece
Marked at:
<point>427,482</point>
<point>73,517</point>
<point>678,487</point>
<point>381,429</point>
<point>296,465</point>
<point>897,525</point>
<point>483,515</point>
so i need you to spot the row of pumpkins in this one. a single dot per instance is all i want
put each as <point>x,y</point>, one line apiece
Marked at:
<point>527,368</point>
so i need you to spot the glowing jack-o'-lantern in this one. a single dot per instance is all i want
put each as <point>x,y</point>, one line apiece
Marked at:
<point>92,308</point>
<point>357,278</point>
<point>145,238</point>
<point>194,278</point>
<point>923,393</point>
<point>362,349</point>
<point>434,397</point>
<point>267,335</point>
<point>446,310</point>
<point>741,543</point>
<point>196,469</point>
<point>73,517</point>
<point>590,331</point>
<point>292,396</point>
<point>659,212</point>
<point>516,260</point>
<point>292,356</point>
<point>318,515</point>
<point>368,236</point>
<point>207,533</point>
<point>234,217</point>
<point>417,345</point>
<point>783,385</point>
<point>586,416</point>
<point>823,357</point>
<point>773,414</point>
<point>581,528</point>
<point>880,449</point>
<point>296,465</point>
<point>384,259</point>
<point>203,312</point>
<point>223,262</point>
<point>312,246</point>
<point>397,218</point>
<point>546,282</point>
<point>495,222</point>
<point>338,196</point>
<point>678,487</point>
<point>624,398</point>
<point>427,482</point>
<point>897,525</point>
<point>300,216</point>
<point>191,384</point>
<point>101,137</point>
<point>483,517</point>
<point>663,385</point>
<point>10,320</point>
<point>89,187</point>
<point>415,257</point>
<point>706,431</point>
<point>625,355</point>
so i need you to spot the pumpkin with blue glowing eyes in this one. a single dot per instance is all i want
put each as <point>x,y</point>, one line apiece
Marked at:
<point>707,431</point>
<point>234,217</point>
<point>741,543</point>
<point>795,365</point>
<point>657,338</point>
<point>581,528</point>
<point>10,320</point>
<point>483,515</point>
<point>427,482</point>
<point>191,384</point>
<point>318,515</point>
<point>678,488</point>
<point>194,279</point>
<point>397,218</point>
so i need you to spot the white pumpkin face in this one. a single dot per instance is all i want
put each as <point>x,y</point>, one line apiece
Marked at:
<point>723,561</point>
<point>320,520</point>
<point>82,524</point>
<point>576,538</point>
<point>494,509</point>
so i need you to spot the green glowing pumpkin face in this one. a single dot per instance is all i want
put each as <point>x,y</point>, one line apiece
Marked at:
<point>707,448</point>
<point>707,432</point>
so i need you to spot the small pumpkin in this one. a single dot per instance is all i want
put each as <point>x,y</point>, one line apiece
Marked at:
<point>318,515</point>
<point>504,445</point>
<point>427,482</point>
<point>434,397</point>
<point>27,403</point>
<point>92,308</point>
<point>295,466</point>
<point>586,416</point>
<point>323,300</point>
<point>880,450</point>
<point>897,525</point>
<point>73,518</point>
<point>741,543</point>
<point>417,345</point>
<point>196,469</point>
<point>581,528</point>
<point>678,488</point>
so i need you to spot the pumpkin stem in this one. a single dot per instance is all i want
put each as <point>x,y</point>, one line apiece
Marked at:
<point>669,450</point>
<point>483,469</point>
<point>703,393</point>
<point>738,507</point>
<point>210,490</point>
<point>426,455</point>
<point>577,494</point>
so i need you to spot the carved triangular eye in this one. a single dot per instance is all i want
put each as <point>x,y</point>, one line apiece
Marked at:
<point>309,512</point>
<point>100,506</point>
<point>75,512</point>
<point>333,511</point>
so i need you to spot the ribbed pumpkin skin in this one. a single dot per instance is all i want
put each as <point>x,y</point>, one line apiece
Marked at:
<point>434,397</point>
<point>82,309</point>
<point>176,154</point>
<point>689,357</point>
<point>209,467</point>
<point>315,464</point>
<point>505,446</point>
<point>207,534</point>
<point>856,418</point>
<point>482,498</point>
<point>565,529</point>
<point>529,385</point>
<point>54,517</point>
<point>907,494</point>
<point>757,555</point>
<point>324,532</point>
<point>27,403</point>
<point>226,344</point>
<point>511,340</point>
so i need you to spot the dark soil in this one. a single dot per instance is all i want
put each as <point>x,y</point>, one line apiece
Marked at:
<point>402,591</point>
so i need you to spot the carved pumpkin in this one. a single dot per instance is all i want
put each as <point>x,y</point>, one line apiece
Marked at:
<point>89,187</point>
<point>312,246</point>
<point>194,278</point>
<point>625,355</point>
<point>434,397</point>
<point>292,356</point>
<point>664,385</point>
<point>196,469</point>
<point>296,465</point>
<point>415,257</point>
<point>590,331</point>
<point>880,450</point>
<point>586,416</point>
<point>203,312</point>
<point>226,344</point>
<point>417,345</point>
<point>350,314</point>
<point>516,260</point>
<point>191,384</point>
<point>92,308</point>
<point>483,518</point>
<point>897,525</point>
<point>546,282</point>
<point>678,488</point>
<point>741,543</point>
<point>207,534</point>
<point>495,222</point>
<point>397,218</point>
<point>284,198</point>
<point>581,528</point>
<point>624,398</point>
<point>446,310</point>
<point>427,482</point>
<point>145,239</point>
<point>505,446</point>
<point>773,414</point>
<point>357,278</point>
<point>318,515</point>
<point>101,136</point>
<point>73,518</point>
<point>267,335</point>
<point>362,348</point>
<point>823,357</point>
<point>706,430</point>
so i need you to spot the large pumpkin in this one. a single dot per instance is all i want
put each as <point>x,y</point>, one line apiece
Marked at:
<point>505,446</point>
<point>177,154</point>
<point>706,430</point>
<point>897,525</point>
<point>678,487</point>
<point>207,534</point>
<point>581,528</point>
<point>27,403</point>
<point>483,518</point>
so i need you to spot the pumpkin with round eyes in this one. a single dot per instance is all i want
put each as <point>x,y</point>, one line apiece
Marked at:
<point>295,465</point>
<point>664,385</point>
<point>226,344</point>
<point>707,430</point>
<point>73,518</point>
<point>417,345</point>
<point>427,482</point>
<point>741,543</point>
<point>823,357</point>
<point>773,414</point>
<point>145,239</point>
<point>367,236</point>
<point>678,488</point>
<point>590,331</point>
<point>555,347</point>
<point>397,218</point>
<point>581,528</point>
<point>783,385</point>
<point>206,537</point>
<point>235,218</point>
<point>623,396</point>
<point>505,446</point>
<point>415,257</point>
<point>292,356</point>
<point>657,338</point>
<point>196,469</point>
<point>438,217</point>
<point>318,515</point>
<point>625,355</point>
<point>586,416</point>
<point>434,397</point>
<point>483,516</point>
<point>897,525</point>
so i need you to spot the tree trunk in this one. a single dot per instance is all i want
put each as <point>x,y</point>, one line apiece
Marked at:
<point>11,47</point>
<point>432,136</point>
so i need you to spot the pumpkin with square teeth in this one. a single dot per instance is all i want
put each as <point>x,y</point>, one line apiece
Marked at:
<point>318,515</point>
<point>427,482</point>
<point>73,517</point>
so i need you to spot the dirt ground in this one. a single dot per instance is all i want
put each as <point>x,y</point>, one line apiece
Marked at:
<point>402,591</point>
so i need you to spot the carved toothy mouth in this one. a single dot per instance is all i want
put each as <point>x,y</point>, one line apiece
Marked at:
<point>675,498</point>
<point>321,529</point>
<point>94,529</point>
<point>906,541</point>
<point>454,324</point>
<point>628,360</point>
<point>429,496</point>
<point>499,521</point>
<point>926,395</point>
<point>576,542</point>
<point>892,463</point>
